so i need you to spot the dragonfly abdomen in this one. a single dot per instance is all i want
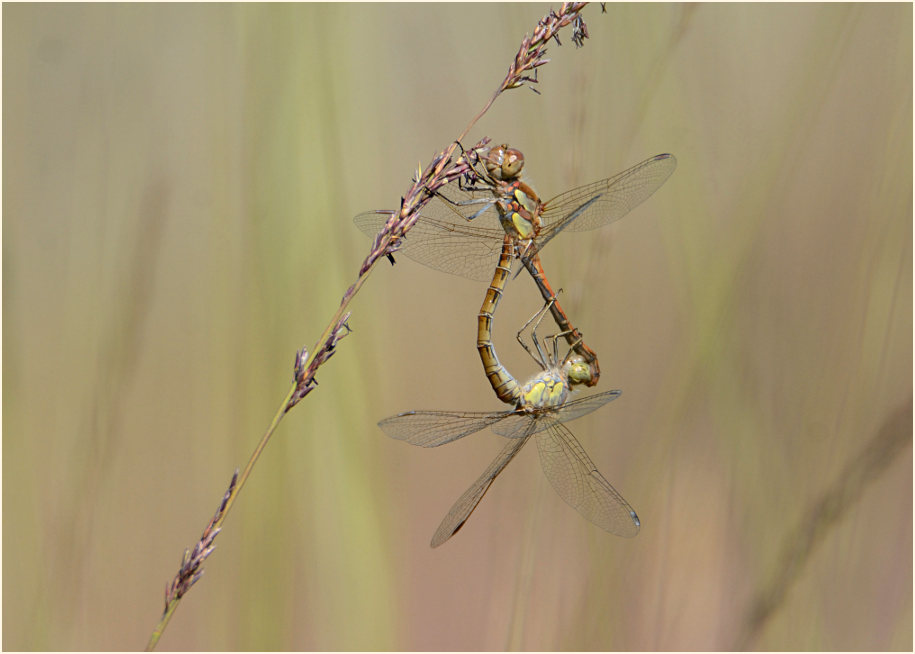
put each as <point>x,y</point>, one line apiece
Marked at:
<point>503,383</point>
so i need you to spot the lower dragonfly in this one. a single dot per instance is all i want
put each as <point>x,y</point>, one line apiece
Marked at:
<point>542,404</point>
<point>461,229</point>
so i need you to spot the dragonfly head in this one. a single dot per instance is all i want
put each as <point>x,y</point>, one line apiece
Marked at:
<point>504,163</point>
<point>576,370</point>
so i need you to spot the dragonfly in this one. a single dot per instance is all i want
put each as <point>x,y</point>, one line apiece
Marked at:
<point>542,405</point>
<point>461,229</point>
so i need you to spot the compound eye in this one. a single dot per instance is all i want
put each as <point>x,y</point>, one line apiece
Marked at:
<point>579,373</point>
<point>494,160</point>
<point>512,163</point>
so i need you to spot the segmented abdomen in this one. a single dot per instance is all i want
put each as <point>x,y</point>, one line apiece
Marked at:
<point>506,387</point>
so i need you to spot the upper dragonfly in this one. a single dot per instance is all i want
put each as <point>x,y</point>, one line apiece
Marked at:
<point>460,231</point>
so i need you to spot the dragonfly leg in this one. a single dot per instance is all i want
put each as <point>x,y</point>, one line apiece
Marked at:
<point>486,202</point>
<point>547,360</point>
<point>461,146</point>
<point>541,358</point>
<point>470,187</point>
<point>473,161</point>
<point>554,338</point>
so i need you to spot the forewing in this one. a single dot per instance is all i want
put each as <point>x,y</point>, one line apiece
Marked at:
<point>601,203</point>
<point>434,428</point>
<point>444,239</point>
<point>578,482</point>
<point>582,406</point>
<point>467,502</point>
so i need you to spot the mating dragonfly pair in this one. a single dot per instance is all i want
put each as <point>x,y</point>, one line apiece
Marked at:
<point>470,229</point>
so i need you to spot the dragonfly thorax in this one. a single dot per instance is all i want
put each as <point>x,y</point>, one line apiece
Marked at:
<point>545,390</point>
<point>518,205</point>
<point>519,211</point>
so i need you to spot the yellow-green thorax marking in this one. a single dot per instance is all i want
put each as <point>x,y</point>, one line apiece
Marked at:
<point>519,206</point>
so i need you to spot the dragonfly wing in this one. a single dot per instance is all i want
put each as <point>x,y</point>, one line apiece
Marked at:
<point>467,502</point>
<point>434,428</point>
<point>519,423</point>
<point>601,203</point>
<point>469,204</point>
<point>445,239</point>
<point>463,250</point>
<point>515,425</point>
<point>584,405</point>
<point>578,482</point>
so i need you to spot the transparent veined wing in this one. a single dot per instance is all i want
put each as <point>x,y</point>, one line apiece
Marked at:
<point>584,405</point>
<point>467,502</point>
<point>434,428</point>
<point>578,482</point>
<point>464,249</point>
<point>458,231</point>
<point>515,423</point>
<point>445,238</point>
<point>601,203</point>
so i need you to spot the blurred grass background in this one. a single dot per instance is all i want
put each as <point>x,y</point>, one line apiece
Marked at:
<point>179,182</point>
